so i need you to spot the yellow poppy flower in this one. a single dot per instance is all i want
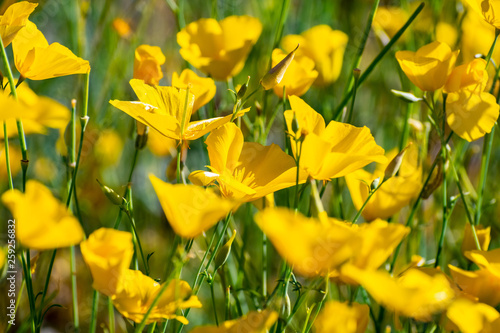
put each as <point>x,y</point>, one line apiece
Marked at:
<point>147,64</point>
<point>35,59</point>
<point>488,9</point>
<point>471,76</point>
<point>332,151</point>
<point>108,252</point>
<point>337,317</point>
<point>253,322</point>
<point>164,110</point>
<point>139,291</point>
<point>483,235</point>
<point>469,317</point>
<point>480,284</point>
<point>489,260</point>
<point>477,37</point>
<point>42,112</point>
<point>388,21</point>
<point>42,221</point>
<point>190,209</point>
<point>324,46</point>
<point>396,193</point>
<point>245,171</point>
<point>203,88</point>
<point>312,246</point>
<point>108,147</point>
<point>298,77</point>
<point>415,294</point>
<point>122,27</point>
<point>446,33</point>
<point>14,19</point>
<point>471,115</point>
<point>219,49</point>
<point>429,67</point>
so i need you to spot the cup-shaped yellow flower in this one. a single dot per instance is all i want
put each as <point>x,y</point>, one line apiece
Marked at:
<point>312,246</point>
<point>332,151</point>
<point>245,171</point>
<point>480,284</point>
<point>299,75</point>
<point>489,260</point>
<point>471,76</point>
<point>139,292</point>
<point>41,112</point>
<point>42,221</point>
<point>467,316</point>
<point>168,110</point>
<point>253,322</point>
<point>324,46</point>
<point>488,9</point>
<point>35,59</point>
<point>471,115</point>
<point>147,64</point>
<point>14,19</point>
<point>429,67</point>
<point>396,193</point>
<point>337,317</point>
<point>415,294</point>
<point>219,49</point>
<point>203,88</point>
<point>190,209</point>
<point>108,253</point>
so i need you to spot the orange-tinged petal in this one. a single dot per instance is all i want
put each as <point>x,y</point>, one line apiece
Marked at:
<point>190,209</point>
<point>108,253</point>
<point>42,221</point>
<point>489,260</point>
<point>14,19</point>
<point>147,63</point>
<point>471,115</point>
<point>481,284</point>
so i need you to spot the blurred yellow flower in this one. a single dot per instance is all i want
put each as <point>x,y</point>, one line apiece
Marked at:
<point>312,246</point>
<point>477,37</point>
<point>396,193</point>
<point>108,253</point>
<point>161,145</point>
<point>42,112</point>
<point>481,284</point>
<point>35,59</point>
<point>299,75</point>
<point>469,317</point>
<point>429,67</point>
<point>471,115</point>
<point>253,322</point>
<point>164,110</point>
<point>324,46</point>
<point>337,317</point>
<point>10,110</point>
<point>108,147</point>
<point>332,151</point>
<point>388,20</point>
<point>415,294</point>
<point>14,19</point>
<point>147,64</point>
<point>203,88</point>
<point>245,171</point>
<point>139,291</point>
<point>190,209</point>
<point>42,221</point>
<point>483,235</point>
<point>219,49</point>
<point>122,27</point>
<point>446,33</point>
<point>15,156</point>
<point>488,9</point>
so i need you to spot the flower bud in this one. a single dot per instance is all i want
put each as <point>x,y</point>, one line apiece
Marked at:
<point>142,139</point>
<point>375,183</point>
<point>114,197</point>
<point>393,167</point>
<point>243,89</point>
<point>275,75</point>
<point>224,252</point>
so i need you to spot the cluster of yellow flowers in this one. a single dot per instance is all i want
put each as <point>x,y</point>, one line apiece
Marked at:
<point>313,245</point>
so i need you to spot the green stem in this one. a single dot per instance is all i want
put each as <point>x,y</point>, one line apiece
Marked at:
<point>95,309</point>
<point>377,59</point>
<point>355,89</point>
<point>133,225</point>
<point>485,161</point>
<point>264,265</point>
<point>492,48</point>
<point>7,158</point>
<point>29,287</point>
<point>111,316</point>
<point>214,305</point>
<point>179,150</point>
<point>74,292</point>
<point>372,192</point>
